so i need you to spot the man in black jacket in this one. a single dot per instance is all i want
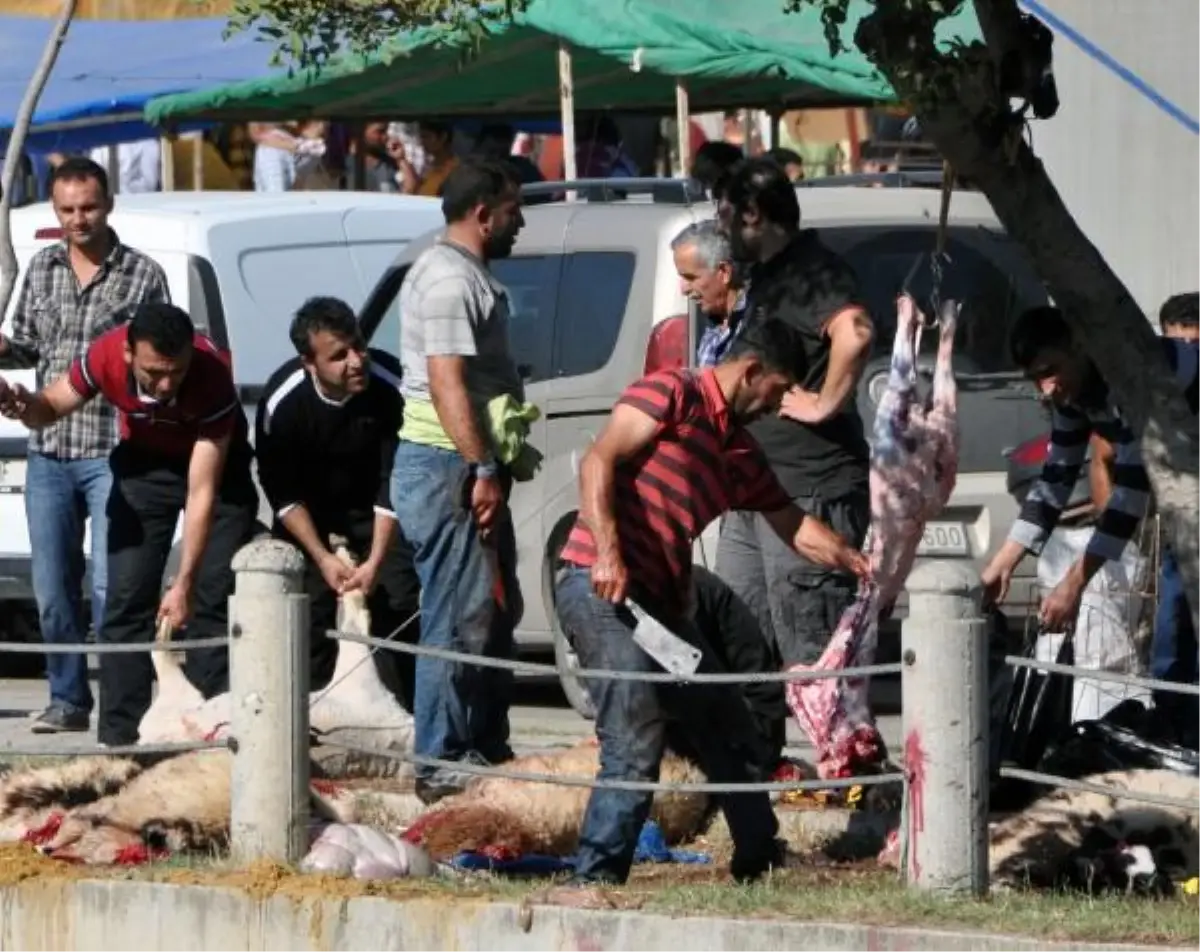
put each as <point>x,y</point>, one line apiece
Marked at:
<point>815,444</point>
<point>326,432</point>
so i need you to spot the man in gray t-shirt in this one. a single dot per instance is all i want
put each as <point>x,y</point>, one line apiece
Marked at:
<point>449,492</point>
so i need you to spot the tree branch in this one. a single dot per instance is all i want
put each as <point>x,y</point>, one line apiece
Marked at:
<point>16,145</point>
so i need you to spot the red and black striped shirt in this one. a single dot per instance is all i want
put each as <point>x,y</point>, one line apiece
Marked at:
<point>699,465</point>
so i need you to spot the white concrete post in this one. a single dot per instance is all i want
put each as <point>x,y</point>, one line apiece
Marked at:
<point>268,681</point>
<point>945,698</point>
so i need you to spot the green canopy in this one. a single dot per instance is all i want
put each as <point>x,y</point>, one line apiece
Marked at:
<point>626,55</point>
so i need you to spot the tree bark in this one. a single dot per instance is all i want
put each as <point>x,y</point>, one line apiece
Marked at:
<point>16,145</point>
<point>964,111</point>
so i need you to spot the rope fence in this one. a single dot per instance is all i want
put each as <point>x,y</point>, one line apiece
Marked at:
<point>601,674</point>
<point>641,786</point>
<point>124,750</point>
<point>1034,776</point>
<point>1095,674</point>
<point>26,647</point>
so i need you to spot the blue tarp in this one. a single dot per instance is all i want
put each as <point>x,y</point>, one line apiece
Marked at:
<point>112,69</point>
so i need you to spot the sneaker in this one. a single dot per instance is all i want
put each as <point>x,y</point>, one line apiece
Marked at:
<point>57,719</point>
<point>446,781</point>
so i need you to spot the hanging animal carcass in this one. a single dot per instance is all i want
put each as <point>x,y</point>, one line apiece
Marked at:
<point>914,465</point>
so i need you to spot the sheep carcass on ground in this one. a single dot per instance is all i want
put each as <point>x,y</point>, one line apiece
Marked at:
<point>504,818</point>
<point>180,804</point>
<point>29,798</point>
<point>175,696</point>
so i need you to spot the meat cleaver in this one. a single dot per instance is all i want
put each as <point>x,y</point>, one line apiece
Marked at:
<point>662,644</point>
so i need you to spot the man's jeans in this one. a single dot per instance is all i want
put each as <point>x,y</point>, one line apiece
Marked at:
<point>60,496</point>
<point>798,604</point>
<point>1173,650</point>
<point>459,709</point>
<point>632,726</point>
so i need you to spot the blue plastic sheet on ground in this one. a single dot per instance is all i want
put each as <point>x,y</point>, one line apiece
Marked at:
<point>651,848</point>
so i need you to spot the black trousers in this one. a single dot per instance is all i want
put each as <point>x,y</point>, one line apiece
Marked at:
<point>732,632</point>
<point>147,496</point>
<point>394,604</point>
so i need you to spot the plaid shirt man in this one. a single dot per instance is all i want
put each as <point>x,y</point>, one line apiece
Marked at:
<point>54,322</point>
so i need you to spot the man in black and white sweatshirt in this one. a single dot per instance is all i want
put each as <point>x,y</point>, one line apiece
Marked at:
<point>325,436</point>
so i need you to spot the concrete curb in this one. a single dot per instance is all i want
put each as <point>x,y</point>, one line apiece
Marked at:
<point>69,915</point>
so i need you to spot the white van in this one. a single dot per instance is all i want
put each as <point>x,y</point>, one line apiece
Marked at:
<point>240,263</point>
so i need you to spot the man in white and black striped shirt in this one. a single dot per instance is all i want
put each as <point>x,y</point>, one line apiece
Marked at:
<point>1080,405</point>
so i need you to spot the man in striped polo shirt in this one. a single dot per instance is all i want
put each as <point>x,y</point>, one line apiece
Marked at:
<point>673,457</point>
<point>1080,405</point>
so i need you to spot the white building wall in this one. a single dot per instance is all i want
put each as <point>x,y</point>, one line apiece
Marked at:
<point>1128,171</point>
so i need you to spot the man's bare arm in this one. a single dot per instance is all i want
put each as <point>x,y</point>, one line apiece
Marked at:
<point>47,406</point>
<point>448,390</point>
<point>850,335</point>
<point>298,521</point>
<point>628,430</point>
<point>812,539</point>
<point>203,478</point>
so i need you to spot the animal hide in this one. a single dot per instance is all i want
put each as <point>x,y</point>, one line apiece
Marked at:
<point>914,464</point>
<point>108,810</point>
<point>174,697</point>
<point>504,818</point>
<point>30,797</point>
<point>1067,837</point>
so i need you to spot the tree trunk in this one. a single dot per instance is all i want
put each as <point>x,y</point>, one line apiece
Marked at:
<point>963,110</point>
<point>16,145</point>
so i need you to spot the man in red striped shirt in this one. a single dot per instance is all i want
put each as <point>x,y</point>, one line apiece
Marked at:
<point>673,457</point>
<point>183,448</point>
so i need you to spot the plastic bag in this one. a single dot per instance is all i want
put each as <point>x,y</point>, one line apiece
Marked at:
<point>1109,611</point>
<point>363,852</point>
<point>1122,740</point>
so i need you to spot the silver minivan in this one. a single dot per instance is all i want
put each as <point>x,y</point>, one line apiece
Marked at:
<point>596,301</point>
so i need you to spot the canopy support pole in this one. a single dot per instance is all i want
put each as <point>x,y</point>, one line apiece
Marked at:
<point>773,129</point>
<point>566,94</point>
<point>198,162</point>
<point>683,124</point>
<point>166,146</point>
<point>114,168</point>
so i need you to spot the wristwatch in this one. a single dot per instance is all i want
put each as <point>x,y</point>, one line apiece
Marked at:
<point>484,470</point>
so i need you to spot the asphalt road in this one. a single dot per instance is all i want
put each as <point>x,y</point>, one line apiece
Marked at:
<point>542,719</point>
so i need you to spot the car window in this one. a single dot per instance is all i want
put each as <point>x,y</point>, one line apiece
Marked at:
<point>986,272</point>
<point>592,297</point>
<point>530,282</point>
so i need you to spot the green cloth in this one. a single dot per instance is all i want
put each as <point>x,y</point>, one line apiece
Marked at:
<point>626,55</point>
<point>509,423</point>
<point>508,428</point>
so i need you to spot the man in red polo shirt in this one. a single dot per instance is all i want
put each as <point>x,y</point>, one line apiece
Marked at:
<point>673,457</point>
<point>183,448</point>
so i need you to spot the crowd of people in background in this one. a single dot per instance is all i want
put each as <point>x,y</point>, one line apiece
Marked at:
<point>414,158</point>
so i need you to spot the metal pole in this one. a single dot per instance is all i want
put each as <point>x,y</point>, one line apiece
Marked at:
<point>945,713</point>
<point>268,674</point>
<point>683,122</point>
<point>566,93</point>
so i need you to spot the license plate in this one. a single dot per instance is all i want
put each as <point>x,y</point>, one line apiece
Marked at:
<point>944,538</point>
<point>12,476</point>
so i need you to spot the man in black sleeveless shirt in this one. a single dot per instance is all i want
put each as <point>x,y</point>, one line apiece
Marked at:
<point>816,444</point>
<point>325,435</point>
